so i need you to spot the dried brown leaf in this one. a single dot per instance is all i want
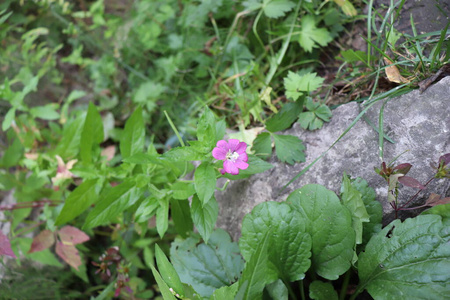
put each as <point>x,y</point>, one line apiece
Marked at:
<point>45,239</point>
<point>435,199</point>
<point>393,73</point>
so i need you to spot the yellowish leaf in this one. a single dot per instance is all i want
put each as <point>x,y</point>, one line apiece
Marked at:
<point>346,7</point>
<point>393,73</point>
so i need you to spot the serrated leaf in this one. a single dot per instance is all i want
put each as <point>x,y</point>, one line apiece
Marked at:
<point>313,119</point>
<point>44,240</point>
<point>289,148</point>
<point>262,145</point>
<point>78,201</point>
<point>91,134</point>
<point>162,217</point>
<point>408,260</point>
<point>182,190</point>
<point>181,215</point>
<point>114,202</point>
<point>70,235</point>
<point>258,272</point>
<point>290,249</point>
<point>207,267</point>
<point>319,290</point>
<point>168,273</point>
<point>204,216</point>
<point>69,145</point>
<point>205,182</point>
<point>285,117</point>
<point>311,36</point>
<point>297,85</point>
<point>225,292</point>
<point>330,226</point>
<point>277,8</point>
<point>133,137</point>
<point>351,198</point>
<point>255,165</point>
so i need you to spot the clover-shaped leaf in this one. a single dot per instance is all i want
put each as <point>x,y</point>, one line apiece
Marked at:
<point>315,116</point>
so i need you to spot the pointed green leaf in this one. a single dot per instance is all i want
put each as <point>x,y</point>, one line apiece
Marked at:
<point>146,209</point>
<point>181,215</point>
<point>204,217</point>
<point>408,260</point>
<point>297,85</point>
<point>9,117</point>
<point>319,290</point>
<point>311,36</point>
<point>289,148</point>
<point>168,272</point>
<point>165,291</point>
<point>78,201</point>
<point>205,182</point>
<point>206,128</point>
<point>69,145</point>
<point>182,190</point>
<point>330,226</point>
<point>285,117</point>
<point>91,134</point>
<point>162,217</point>
<point>290,245</point>
<point>133,136</point>
<point>225,292</point>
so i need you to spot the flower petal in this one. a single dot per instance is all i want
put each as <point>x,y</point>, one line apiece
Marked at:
<point>219,153</point>
<point>232,144</point>
<point>243,157</point>
<point>241,147</point>
<point>230,167</point>
<point>223,144</point>
<point>241,164</point>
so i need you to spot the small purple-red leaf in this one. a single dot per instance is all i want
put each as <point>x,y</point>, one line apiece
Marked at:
<point>69,254</point>
<point>5,246</point>
<point>403,168</point>
<point>411,182</point>
<point>435,199</point>
<point>70,235</point>
<point>42,241</point>
<point>445,159</point>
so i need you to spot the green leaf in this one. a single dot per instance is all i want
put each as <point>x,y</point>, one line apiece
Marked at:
<point>45,257</point>
<point>78,201</point>
<point>116,200</point>
<point>146,209</point>
<point>168,272</point>
<point>319,290</point>
<point>297,85</point>
<point>206,128</point>
<point>408,260</point>
<point>166,293</point>
<point>373,208</point>
<point>290,245</point>
<point>9,117</point>
<point>92,133</point>
<point>225,292</point>
<point>262,145</point>
<point>289,148</point>
<point>133,136</point>
<point>330,226</point>
<point>277,8</point>
<point>182,190</point>
<point>352,56</point>
<point>277,290</point>
<point>45,112</point>
<point>183,154</point>
<point>207,267</point>
<point>314,118</point>
<point>258,272</point>
<point>204,217</point>
<point>205,182</point>
<point>285,117</point>
<point>181,215</point>
<point>351,198</point>
<point>162,217</point>
<point>255,165</point>
<point>69,145</point>
<point>442,210</point>
<point>12,154</point>
<point>311,36</point>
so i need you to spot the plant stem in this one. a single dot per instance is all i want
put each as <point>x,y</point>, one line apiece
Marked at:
<point>302,290</point>
<point>416,194</point>
<point>291,292</point>
<point>345,285</point>
<point>174,129</point>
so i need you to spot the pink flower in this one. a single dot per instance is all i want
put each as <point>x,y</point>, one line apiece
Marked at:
<point>233,154</point>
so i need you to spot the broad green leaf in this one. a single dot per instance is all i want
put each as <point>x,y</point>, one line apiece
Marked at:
<point>114,202</point>
<point>206,128</point>
<point>45,112</point>
<point>162,217</point>
<point>314,118</point>
<point>9,117</point>
<point>12,154</point>
<point>78,201</point>
<point>258,272</point>
<point>92,133</point>
<point>297,85</point>
<point>330,226</point>
<point>289,148</point>
<point>166,293</point>
<point>290,245</point>
<point>225,292</point>
<point>442,210</point>
<point>255,165</point>
<point>285,117</point>
<point>221,127</point>
<point>352,56</point>
<point>277,290</point>
<point>277,8</point>
<point>408,260</point>
<point>207,267</point>
<point>373,208</point>
<point>311,36</point>
<point>204,216</point>
<point>168,272</point>
<point>205,182</point>
<point>182,190</point>
<point>183,154</point>
<point>181,215</point>
<point>262,145</point>
<point>319,290</point>
<point>133,136</point>
<point>69,145</point>
<point>351,198</point>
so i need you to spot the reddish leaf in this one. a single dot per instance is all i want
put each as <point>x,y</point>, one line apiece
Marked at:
<point>444,159</point>
<point>5,246</point>
<point>435,199</point>
<point>70,235</point>
<point>42,241</point>
<point>403,168</point>
<point>411,182</point>
<point>69,254</point>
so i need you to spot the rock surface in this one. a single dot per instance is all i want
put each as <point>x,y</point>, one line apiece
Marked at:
<point>417,123</point>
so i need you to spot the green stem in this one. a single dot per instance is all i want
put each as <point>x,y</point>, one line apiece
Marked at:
<point>174,129</point>
<point>291,292</point>
<point>302,290</point>
<point>345,285</point>
<point>224,186</point>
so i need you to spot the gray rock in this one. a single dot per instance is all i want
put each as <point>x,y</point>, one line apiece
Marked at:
<point>418,123</point>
